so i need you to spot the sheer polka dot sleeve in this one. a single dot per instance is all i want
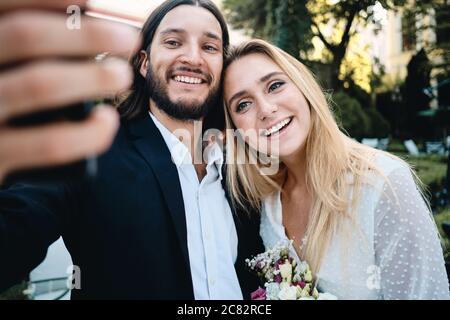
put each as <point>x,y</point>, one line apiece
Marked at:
<point>407,246</point>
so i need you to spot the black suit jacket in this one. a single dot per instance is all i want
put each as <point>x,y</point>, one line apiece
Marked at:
<point>126,229</point>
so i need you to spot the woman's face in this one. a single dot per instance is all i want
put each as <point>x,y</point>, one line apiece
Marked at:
<point>266,106</point>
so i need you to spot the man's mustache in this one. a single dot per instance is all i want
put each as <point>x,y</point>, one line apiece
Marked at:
<point>206,76</point>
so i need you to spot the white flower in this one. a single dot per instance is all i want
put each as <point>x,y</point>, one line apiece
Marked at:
<point>288,293</point>
<point>307,287</point>
<point>326,296</point>
<point>272,290</point>
<point>308,276</point>
<point>286,272</point>
<point>304,293</point>
<point>302,267</point>
<point>284,285</point>
<point>315,293</point>
<point>269,274</point>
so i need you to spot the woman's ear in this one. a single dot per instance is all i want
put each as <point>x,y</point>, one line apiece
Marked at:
<point>143,62</point>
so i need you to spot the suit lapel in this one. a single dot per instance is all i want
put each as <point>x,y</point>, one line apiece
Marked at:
<point>152,147</point>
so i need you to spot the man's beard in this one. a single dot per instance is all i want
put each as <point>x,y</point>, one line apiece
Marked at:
<point>180,109</point>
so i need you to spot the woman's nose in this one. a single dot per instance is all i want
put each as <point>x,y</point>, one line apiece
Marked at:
<point>266,109</point>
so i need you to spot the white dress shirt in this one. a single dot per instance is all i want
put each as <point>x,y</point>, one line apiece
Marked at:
<point>211,233</point>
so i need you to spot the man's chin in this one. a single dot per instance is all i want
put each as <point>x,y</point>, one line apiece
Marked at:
<point>188,103</point>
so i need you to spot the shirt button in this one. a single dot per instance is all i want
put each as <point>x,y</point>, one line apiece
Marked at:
<point>212,281</point>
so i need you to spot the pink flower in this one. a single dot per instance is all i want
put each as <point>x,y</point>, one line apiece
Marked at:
<point>277,278</point>
<point>259,294</point>
<point>279,263</point>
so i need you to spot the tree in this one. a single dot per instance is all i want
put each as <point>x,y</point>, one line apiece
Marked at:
<point>341,17</point>
<point>288,31</point>
<point>285,23</point>
<point>439,50</point>
<point>350,115</point>
<point>439,10</point>
<point>416,81</point>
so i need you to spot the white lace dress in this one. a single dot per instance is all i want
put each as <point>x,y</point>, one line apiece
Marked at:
<point>395,255</point>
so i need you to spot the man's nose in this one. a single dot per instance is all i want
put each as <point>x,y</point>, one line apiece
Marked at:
<point>192,56</point>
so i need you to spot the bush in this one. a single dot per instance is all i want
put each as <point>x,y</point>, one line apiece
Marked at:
<point>350,115</point>
<point>379,127</point>
<point>440,218</point>
<point>15,292</point>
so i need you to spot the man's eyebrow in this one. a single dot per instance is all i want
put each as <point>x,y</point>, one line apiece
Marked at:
<point>172,30</point>
<point>212,36</point>
<point>270,75</point>
<point>237,96</point>
<point>208,34</point>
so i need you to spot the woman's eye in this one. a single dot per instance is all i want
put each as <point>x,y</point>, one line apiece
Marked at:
<point>241,106</point>
<point>275,85</point>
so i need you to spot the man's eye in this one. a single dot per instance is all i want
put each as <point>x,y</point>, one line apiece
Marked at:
<point>172,43</point>
<point>275,85</point>
<point>242,105</point>
<point>210,48</point>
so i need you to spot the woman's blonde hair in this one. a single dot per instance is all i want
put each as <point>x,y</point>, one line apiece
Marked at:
<point>336,165</point>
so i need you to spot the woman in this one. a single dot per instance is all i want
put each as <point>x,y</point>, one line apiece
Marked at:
<point>354,213</point>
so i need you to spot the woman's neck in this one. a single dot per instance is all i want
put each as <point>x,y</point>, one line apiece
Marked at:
<point>295,171</point>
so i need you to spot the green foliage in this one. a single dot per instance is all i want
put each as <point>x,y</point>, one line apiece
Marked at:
<point>14,293</point>
<point>440,50</point>
<point>249,15</point>
<point>379,127</point>
<point>440,218</point>
<point>418,78</point>
<point>430,169</point>
<point>291,24</point>
<point>350,115</point>
<point>285,23</point>
<point>288,31</point>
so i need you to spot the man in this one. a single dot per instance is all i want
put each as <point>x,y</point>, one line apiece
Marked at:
<point>147,227</point>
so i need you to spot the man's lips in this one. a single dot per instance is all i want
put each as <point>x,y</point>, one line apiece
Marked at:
<point>185,75</point>
<point>188,79</point>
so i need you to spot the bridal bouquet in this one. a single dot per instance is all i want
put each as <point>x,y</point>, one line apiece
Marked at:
<point>283,277</point>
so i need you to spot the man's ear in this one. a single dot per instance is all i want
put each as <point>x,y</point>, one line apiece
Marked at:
<point>143,61</point>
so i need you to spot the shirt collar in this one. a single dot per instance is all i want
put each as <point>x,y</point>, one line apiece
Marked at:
<point>178,151</point>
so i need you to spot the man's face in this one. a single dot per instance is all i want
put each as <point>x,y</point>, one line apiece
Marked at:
<point>186,60</point>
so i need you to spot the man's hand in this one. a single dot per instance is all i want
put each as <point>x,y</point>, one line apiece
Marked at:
<point>35,31</point>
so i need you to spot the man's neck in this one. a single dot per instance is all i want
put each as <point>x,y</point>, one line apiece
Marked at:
<point>187,131</point>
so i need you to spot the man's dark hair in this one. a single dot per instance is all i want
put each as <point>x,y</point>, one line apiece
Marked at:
<point>136,103</point>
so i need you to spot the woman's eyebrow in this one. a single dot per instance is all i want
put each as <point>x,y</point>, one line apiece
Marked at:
<point>270,75</point>
<point>237,96</point>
